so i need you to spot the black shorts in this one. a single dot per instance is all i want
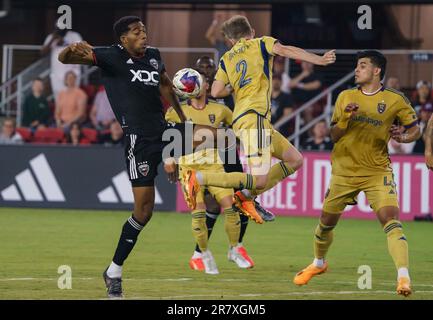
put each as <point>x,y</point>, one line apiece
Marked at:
<point>143,154</point>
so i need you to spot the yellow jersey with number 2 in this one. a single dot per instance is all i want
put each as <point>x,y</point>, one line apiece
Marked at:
<point>247,68</point>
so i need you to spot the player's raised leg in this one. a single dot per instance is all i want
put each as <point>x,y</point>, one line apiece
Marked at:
<point>143,208</point>
<point>397,246</point>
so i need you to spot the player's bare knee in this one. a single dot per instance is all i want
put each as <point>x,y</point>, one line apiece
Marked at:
<point>144,212</point>
<point>298,162</point>
<point>261,182</point>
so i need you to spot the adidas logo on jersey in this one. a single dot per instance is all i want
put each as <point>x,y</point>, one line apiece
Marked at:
<point>36,184</point>
<point>148,78</point>
<point>129,61</point>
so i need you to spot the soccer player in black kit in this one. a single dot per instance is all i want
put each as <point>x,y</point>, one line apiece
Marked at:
<point>134,77</point>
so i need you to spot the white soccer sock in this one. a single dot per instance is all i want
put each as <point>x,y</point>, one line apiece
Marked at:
<point>403,272</point>
<point>318,262</point>
<point>196,255</point>
<point>114,271</point>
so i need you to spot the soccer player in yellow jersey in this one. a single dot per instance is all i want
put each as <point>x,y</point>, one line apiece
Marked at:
<point>246,69</point>
<point>364,119</point>
<point>203,111</point>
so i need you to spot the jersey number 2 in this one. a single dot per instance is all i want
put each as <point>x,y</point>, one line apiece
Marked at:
<point>242,65</point>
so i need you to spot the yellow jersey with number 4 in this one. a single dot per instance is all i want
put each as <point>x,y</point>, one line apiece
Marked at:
<point>363,150</point>
<point>247,67</point>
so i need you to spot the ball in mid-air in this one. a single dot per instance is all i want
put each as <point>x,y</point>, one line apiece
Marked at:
<point>187,83</point>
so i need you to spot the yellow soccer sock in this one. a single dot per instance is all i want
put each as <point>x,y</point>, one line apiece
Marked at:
<point>232,225</point>
<point>277,173</point>
<point>199,229</point>
<point>236,180</point>
<point>323,236</point>
<point>397,243</point>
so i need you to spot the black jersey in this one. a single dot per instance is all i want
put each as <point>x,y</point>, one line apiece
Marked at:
<point>132,86</point>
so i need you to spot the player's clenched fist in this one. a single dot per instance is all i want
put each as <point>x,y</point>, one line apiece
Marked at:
<point>82,48</point>
<point>329,58</point>
<point>350,110</point>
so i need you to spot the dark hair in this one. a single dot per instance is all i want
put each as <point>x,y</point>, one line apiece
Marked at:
<point>121,26</point>
<point>38,79</point>
<point>68,135</point>
<point>376,58</point>
<point>205,59</point>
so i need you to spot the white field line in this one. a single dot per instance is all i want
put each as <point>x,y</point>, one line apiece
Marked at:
<point>298,293</point>
<point>191,279</point>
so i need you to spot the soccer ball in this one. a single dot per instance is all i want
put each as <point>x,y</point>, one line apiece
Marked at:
<point>187,83</point>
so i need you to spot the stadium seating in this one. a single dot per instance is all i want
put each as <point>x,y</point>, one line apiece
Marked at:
<point>90,134</point>
<point>25,133</point>
<point>48,135</point>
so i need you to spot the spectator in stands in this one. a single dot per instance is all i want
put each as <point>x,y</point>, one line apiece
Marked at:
<point>281,105</point>
<point>8,134</point>
<point>320,140</point>
<point>393,82</point>
<point>306,86</point>
<point>424,116</point>
<point>75,137</point>
<point>114,137</point>
<point>278,69</point>
<point>423,95</point>
<point>71,103</point>
<point>215,36</point>
<point>36,112</point>
<point>53,44</point>
<point>101,114</point>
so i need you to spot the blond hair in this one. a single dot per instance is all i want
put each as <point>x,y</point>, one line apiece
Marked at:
<point>236,27</point>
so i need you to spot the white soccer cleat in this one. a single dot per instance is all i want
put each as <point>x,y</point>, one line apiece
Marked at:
<point>235,255</point>
<point>210,266</point>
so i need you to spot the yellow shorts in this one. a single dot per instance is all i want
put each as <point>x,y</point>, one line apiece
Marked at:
<point>218,193</point>
<point>380,192</point>
<point>260,141</point>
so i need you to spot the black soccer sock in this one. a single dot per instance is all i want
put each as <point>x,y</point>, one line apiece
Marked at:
<point>244,225</point>
<point>210,221</point>
<point>130,231</point>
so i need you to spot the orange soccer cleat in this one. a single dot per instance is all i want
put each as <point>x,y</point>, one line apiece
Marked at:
<point>403,286</point>
<point>302,277</point>
<point>191,188</point>
<point>196,264</point>
<point>247,207</point>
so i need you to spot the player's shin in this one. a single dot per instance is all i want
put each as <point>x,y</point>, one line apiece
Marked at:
<point>236,180</point>
<point>323,236</point>
<point>397,246</point>
<point>210,222</point>
<point>232,226</point>
<point>199,229</point>
<point>277,173</point>
<point>130,231</point>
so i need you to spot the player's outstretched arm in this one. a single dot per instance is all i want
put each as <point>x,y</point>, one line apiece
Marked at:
<point>166,90</point>
<point>220,89</point>
<point>339,129</point>
<point>429,144</point>
<point>77,53</point>
<point>300,54</point>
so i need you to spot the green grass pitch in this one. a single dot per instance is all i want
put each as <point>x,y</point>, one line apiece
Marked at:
<point>35,242</point>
